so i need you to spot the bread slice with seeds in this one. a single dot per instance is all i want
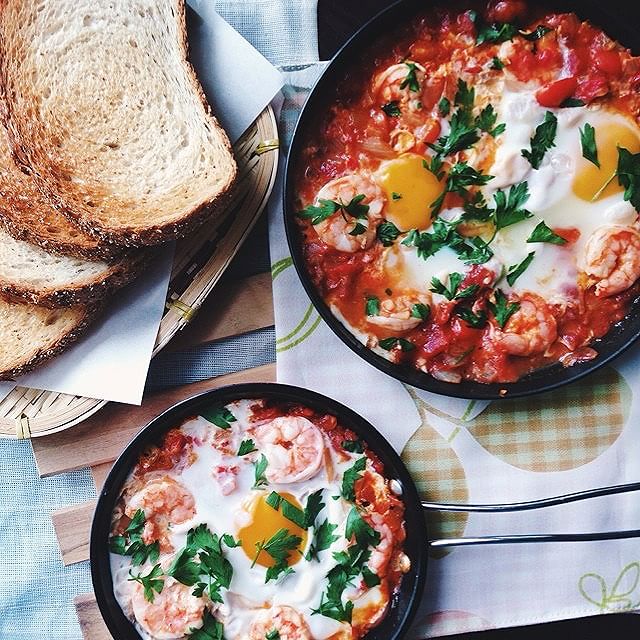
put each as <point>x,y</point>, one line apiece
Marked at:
<point>105,110</point>
<point>34,275</point>
<point>32,334</point>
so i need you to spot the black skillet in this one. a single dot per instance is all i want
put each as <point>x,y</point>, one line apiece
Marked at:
<point>405,603</point>
<point>352,57</point>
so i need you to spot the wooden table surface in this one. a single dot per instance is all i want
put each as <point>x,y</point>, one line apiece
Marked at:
<point>337,20</point>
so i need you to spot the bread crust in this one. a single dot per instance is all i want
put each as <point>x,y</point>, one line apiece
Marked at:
<point>40,355</point>
<point>119,235</point>
<point>119,275</point>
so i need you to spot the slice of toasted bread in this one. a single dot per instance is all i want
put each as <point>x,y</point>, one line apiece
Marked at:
<point>106,111</point>
<point>28,215</point>
<point>32,334</point>
<point>34,275</point>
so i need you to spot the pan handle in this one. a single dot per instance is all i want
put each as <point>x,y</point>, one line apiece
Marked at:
<point>534,504</point>
<point>545,537</point>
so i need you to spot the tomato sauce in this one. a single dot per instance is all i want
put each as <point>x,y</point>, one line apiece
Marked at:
<point>574,61</point>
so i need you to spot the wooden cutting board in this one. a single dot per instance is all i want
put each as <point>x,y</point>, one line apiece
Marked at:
<point>234,308</point>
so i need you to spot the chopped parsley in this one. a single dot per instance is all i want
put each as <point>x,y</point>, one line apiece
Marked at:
<point>391,343</point>
<point>351,475</point>
<point>202,564</point>
<point>323,538</point>
<point>289,510</point>
<point>387,233</point>
<point>588,142</point>
<point>211,629</point>
<point>453,291</point>
<point>356,528</point>
<point>543,139</point>
<point>279,546</point>
<point>246,446</point>
<point>569,103</point>
<point>539,32</point>
<point>517,270</point>
<point>460,178</point>
<point>274,634</point>
<point>411,79</point>
<point>131,543</point>
<point>326,208</point>
<point>502,310</point>
<point>497,64</point>
<point>444,106</point>
<point>220,416</point>
<point>542,233</point>
<point>486,121</point>
<point>628,173</point>
<point>152,582</point>
<point>496,32</point>
<point>353,446</point>
<point>392,109</point>
<point>509,208</point>
<point>358,229</point>
<point>259,472</point>
<point>396,196</point>
<point>420,311</point>
<point>372,306</point>
<point>474,320</point>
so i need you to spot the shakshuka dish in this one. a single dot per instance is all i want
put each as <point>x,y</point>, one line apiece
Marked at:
<point>469,204</point>
<point>258,520</point>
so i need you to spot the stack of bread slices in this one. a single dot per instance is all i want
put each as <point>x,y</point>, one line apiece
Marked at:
<point>107,147</point>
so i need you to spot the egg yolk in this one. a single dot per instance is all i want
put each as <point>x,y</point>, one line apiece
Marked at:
<point>590,181</point>
<point>410,190</point>
<point>266,522</point>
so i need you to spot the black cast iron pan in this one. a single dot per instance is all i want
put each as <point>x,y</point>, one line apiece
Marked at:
<point>398,619</point>
<point>614,19</point>
<point>404,606</point>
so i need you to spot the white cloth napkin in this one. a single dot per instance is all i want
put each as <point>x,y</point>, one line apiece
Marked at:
<point>581,437</point>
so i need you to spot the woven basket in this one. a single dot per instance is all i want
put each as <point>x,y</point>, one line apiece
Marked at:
<point>199,262</point>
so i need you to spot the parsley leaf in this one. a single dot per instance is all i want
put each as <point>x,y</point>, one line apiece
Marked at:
<point>464,98</point>
<point>502,310</point>
<point>462,135</point>
<point>571,102</point>
<point>497,64</point>
<point>184,569</point>
<point>496,32</point>
<point>588,142</point>
<point>351,475</point>
<point>246,446</point>
<point>279,546</point>
<point>543,139</point>
<point>390,343</point>
<point>396,196</point>
<point>355,208</point>
<point>289,510</point>
<point>360,530</point>
<point>628,173</point>
<point>509,207</point>
<point>392,109</point>
<point>370,578</point>
<point>274,634</point>
<point>453,292</point>
<point>540,31</point>
<point>353,446</point>
<point>420,311</point>
<point>411,79</point>
<point>259,468</point>
<point>542,233</point>
<point>131,543</point>
<point>517,270</point>
<point>372,306</point>
<point>477,209</point>
<point>151,582</point>
<point>211,629</point>
<point>220,416</point>
<point>434,166</point>
<point>478,252</point>
<point>461,177</point>
<point>475,321</point>
<point>387,233</point>
<point>318,213</point>
<point>444,106</point>
<point>486,122</point>
<point>323,538</point>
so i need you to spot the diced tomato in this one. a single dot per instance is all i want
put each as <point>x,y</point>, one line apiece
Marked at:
<point>433,131</point>
<point>570,234</point>
<point>595,86</point>
<point>555,93</point>
<point>463,332</point>
<point>608,61</point>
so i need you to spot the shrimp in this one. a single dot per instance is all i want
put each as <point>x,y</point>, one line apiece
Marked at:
<point>293,446</point>
<point>337,229</point>
<point>164,501</point>
<point>401,314</point>
<point>531,329</point>
<point>173,613</point>
<point>398,83</point>
<point>288,622</point>
<point>612,259</point>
